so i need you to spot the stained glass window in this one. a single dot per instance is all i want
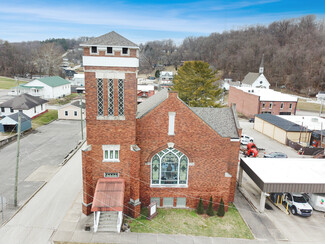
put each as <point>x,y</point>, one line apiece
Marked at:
<point>169,167</point>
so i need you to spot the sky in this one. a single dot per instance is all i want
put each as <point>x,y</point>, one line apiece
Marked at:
<point>142,20</point>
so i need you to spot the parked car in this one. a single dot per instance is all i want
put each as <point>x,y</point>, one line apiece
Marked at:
<point>245,139</point>
<point>251,120</point>
<point>275,155</point>
<point>316,200</point>
<point>298,204</point>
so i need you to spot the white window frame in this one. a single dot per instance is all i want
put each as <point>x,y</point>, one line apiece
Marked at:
<point>263,105</point>
<point>271,105</point>
<point>66,113</point>
<point>282,106</point>
<point>111,149</point>
<point>178,185</point>
<point>112,53</point>
<point>171,124</point>
<point>125,54</point>
<point>290,106</point>
<point>91,50</point>
<point>75,113</point>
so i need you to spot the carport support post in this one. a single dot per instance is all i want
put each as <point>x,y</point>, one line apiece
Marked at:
<point>17,160</point>
<point>262,201</point>
<point>240,176</point>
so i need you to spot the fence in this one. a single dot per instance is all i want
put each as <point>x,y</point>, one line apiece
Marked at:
<point>304,150</point>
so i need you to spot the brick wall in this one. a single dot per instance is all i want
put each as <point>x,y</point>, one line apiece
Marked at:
<point>212,154</point>
<point>276,107</point>
<point>246,103</point>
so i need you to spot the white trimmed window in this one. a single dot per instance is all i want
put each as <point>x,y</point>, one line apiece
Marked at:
<point>171,125</point>
<point>281,107</point>
<point>66,113</point>
<point>109,50</point>
<point>290,106</point>
<point>263,105</point>
<point>111,153</point>
<point>93,50</point>
<point>75,113</point>
<point>270,105</point>
<point>125,51</point>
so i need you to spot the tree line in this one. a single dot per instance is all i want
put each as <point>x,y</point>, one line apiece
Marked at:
<point>294,53</point>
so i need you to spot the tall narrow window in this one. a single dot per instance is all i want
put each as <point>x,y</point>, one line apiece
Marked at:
<point>263,105</point>
<point>171,126</point>
<point>100,100</point>
<point>120,88</point>
<point>270,105</point>
<point>281,107</point>
<point>290,106</point>
<point>110,90</point>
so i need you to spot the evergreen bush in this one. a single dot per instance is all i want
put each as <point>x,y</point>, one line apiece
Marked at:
<point>210,211</point>
<point>221,209</point>
<point>200,208</point>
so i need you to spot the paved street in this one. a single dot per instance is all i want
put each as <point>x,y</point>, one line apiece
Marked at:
<point>40,155</point>
<point>35,223</point>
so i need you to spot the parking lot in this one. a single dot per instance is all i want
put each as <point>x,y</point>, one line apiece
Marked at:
<point>295,229</point>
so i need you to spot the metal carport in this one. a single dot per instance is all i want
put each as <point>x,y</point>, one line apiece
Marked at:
<point>284,175</point>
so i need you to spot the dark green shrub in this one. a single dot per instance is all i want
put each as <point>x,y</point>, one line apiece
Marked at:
<point>221,209</point>
<point>210,211</point>
<point>200,208</point>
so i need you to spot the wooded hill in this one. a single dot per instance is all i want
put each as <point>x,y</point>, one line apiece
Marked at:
<point>294,53</point>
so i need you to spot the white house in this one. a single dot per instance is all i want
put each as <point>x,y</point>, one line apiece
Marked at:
<point>33,106</point>
<point>78,80</point>
<point>72,111</point>
<point>166,77</point>
<point>257,80</point>
<point>226,83</point>
<point>47,87</point>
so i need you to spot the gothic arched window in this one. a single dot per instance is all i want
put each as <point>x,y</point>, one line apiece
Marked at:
<point>169,167</point>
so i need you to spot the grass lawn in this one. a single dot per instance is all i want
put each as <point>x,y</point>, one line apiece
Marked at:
<point>7,83</point>
<point>44,119</point>
<point>188,222</point>
<point>307,106</point>
<point>63,100</point>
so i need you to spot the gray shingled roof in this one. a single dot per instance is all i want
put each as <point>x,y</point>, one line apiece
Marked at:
<point>219,119</point>
<point>149,104</point>
<point>110,39</point>
<point>77,104</point>
<point>14,116</point>
<point>250,78</point>
<point>282,123</point>
<point>23,102</point>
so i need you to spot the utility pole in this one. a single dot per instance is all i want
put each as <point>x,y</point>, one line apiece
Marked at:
<point>17,159</point>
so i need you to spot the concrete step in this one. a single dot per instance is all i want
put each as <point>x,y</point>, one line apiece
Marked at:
<point>107,230</point>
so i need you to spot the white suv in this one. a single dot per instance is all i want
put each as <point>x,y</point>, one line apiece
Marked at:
<point>245,139</point>
<point>298,204</point>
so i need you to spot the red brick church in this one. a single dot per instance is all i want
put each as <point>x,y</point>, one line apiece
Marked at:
<point>160,150</point>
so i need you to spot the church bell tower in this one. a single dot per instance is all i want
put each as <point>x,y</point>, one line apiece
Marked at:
<point>111,65</point>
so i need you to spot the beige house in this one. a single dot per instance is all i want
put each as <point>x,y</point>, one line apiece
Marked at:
<point>72,111</point>
<point>280,129</point>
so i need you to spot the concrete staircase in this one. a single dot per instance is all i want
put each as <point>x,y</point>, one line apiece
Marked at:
<point>108,221</point>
